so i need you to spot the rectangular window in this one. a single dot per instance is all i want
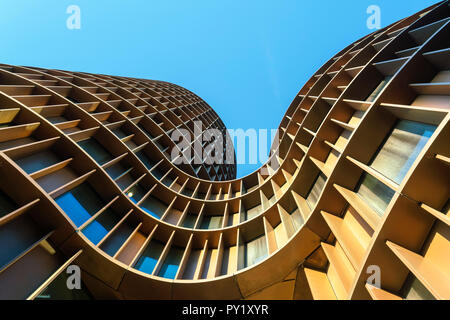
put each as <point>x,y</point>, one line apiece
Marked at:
<point>189,220</point>
<point>314,193</point>
<point>145,160</point>
<point>136,193</point>
<point>401,148</point>
<point>153,206</point>
<point>255,250</point>
<point>95,150</point>
<point>375,193</point>
<point>80,203</point>
<point>147,261</point>
<point>37,161</point>
<point>253,212</point>
<point>171,264</point>
<point>211,222</point>
<point>100,227</point>
<point>297,219</point>
<point>7,205</point>
<point>415,290</point>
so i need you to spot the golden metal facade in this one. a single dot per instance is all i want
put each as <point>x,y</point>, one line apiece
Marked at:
<point>358,208</point>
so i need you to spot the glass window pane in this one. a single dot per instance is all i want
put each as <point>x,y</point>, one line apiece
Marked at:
<point>417,291</point>
<point>100,227</point>
<point>315,191</point>
<point>171,263</point>
<point>149,257</point>
<point>255,251</point>
<point>7,205</point>
<point>80,203</point>
<point>153,207</point>
<point>95,150</point>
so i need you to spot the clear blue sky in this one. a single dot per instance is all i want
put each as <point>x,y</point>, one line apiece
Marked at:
<point>246,58</point>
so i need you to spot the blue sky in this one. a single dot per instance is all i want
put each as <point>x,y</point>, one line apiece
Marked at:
<point>247,59</point>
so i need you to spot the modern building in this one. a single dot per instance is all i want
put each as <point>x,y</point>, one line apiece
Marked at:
<point>357,209</point>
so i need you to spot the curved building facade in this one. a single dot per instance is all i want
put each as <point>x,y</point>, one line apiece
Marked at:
<point>357,207</point>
